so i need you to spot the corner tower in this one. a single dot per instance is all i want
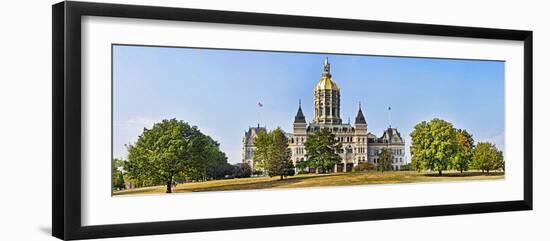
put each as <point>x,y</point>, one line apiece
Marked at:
<point>360,123</point>
<point>326,99</point>
<point>361,143</point>
<point>299,125</point>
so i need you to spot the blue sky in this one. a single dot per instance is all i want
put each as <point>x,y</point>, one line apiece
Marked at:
<point>219,91</point>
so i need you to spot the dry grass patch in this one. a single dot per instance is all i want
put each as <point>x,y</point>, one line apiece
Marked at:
<point>317,180</point>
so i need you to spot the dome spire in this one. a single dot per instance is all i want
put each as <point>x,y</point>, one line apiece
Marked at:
<point>326,82</point>
<point>326,68</point>
<point>326,99</point>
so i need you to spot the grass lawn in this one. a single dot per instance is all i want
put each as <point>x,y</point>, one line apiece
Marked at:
<point>316,180</point>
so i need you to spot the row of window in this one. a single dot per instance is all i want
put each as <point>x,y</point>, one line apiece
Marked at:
<point>394,160</point>
<point>249,153</point>
<point>328,93</point>
<point>297,140</point>
<point>398,160</point>
<point>327,111</point>
<point>394,151</point>
<point>346,139</point>
<point>301,151</point>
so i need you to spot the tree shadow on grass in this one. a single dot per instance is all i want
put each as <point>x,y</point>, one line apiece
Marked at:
<point>276,182</point>
<point>464,174</point>
<point>141,190</point>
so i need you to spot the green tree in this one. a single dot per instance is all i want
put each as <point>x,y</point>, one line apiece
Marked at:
<point>301,166</point>
<point>204,156</point>
<point>433,145</point>
<point>279,160</point>
<point>218,167</point>
<point>272,154</point>
<point>464,150</point>
<point>241,170</point>
<point>165,152</point>
<point>406,167</point>
<point>487,157</point>
<point>385,163</point>
<point>501,163</point>
<point>117,176</point>
<point>262,144</point>
<point>322,150</point>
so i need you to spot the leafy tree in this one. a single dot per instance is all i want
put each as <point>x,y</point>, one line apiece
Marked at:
<point>241,170</point>
<point>119,184</point>
<point>464,150</point>
<point>501,163</point>
<point>433,145</point>
<point>487,157</point>
<point>272,153</point>
<point>301,166</point>
<point>165,152</point>
<point>206,159</point>
<point>257,172</point>
<point>279,162</point>
<point>406,167</point>
<point>262,144</point>
<point>219,171</point>
<point>416,164</point>
<point>385,163</point>
<point>117,177</point>
<point>322,150</point>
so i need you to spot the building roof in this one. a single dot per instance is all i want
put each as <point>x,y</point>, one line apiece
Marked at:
<point>300,118</point>
<point>360,118</point>
<point>391,135</point>
<point>252,132</point>
<point>326,83</point>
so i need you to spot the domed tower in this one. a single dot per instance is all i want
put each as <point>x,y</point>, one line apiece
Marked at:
<point>326,99</point>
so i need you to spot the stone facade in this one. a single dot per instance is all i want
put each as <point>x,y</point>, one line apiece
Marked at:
<point>358,144</point>
<point>248,144</point>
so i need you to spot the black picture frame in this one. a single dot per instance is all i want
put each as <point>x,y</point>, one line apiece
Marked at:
<point>66,127</point>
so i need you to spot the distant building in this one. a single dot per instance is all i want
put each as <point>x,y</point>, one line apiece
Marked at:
<point>358,144</point>
<point>248,144</point>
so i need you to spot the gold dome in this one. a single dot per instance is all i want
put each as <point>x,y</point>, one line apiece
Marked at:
<point>326,83</point>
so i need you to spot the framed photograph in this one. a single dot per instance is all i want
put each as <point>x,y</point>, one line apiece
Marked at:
<point>171,120</point>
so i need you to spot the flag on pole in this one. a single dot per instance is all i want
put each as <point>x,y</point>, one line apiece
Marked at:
<point>389,115</point>
<point>260,104</point>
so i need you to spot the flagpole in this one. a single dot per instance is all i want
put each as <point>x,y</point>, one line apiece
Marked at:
<point>389,115</point>
<point>259,105</point>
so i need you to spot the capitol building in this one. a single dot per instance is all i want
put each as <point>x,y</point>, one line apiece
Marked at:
<point>359,145</point>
